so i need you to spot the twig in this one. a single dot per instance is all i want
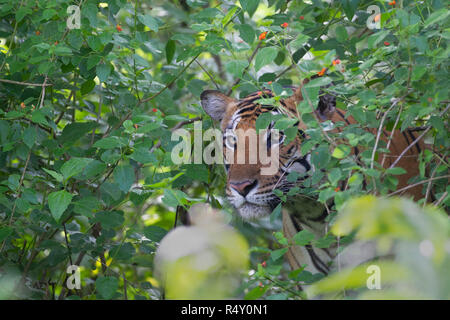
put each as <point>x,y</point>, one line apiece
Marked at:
<point>246,69</point>
<point>429,185</point>
<point>171,81</point>
<point>125,296</point>
<point>392,134</point>
<point>209,75</point>
<point>444,195</point>
<point>415,141</point>
<point>380,129</point>
<point>27,83</point>
<point>152,97</point>
<point>177,126</point>
<point>418,184</point>
<point>67,243</point>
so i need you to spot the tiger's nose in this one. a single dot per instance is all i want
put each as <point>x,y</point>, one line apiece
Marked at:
<point>244,187</point>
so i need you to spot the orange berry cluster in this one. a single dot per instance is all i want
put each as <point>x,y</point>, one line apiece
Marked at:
<point>335,63</point>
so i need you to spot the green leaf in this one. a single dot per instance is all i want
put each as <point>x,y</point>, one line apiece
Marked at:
<point>198,172</point>
<point>437,16</point>
<point>173,198</point>
<point>277,254</point>
<point>249,6</point>
<point>39,117</point>
<point>170,50</point>
<point>58,202</point>
<point>236,67</point>
<point>149,21</point>
<point>87,86</point>
<point>86,206</point>
<point>5,232</point>
<point>122,252</point>
<point>155,233</point>
<point>93,168</point>
<point>276,213</point>
<point>341,151</point>
<point>61,50</point>
<point>263,121</point>
<point>74,166</point>
<point>341,34</point>
<point>265,56</point>
<point>106,286</point>
<point>396,171</point>
<point>303,237</point>
<point>103,71</point>
<point>349,7</point>
<point>109,143</point>
<point>76,130</point>
<point>54,174</point>
<point>246,33</point>
<point>29,136</point>
<point>256,293</point>
<point>22,13</point>
<point>109,219</point>
<point>124,175</point>
<point>318,82</point>
<point>143,155</point>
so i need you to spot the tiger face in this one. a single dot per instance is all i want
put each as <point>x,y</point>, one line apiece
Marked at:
<point>248,188</point>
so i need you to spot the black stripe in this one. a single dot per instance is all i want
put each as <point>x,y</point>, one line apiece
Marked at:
<point>316,260</point>
<point>304,163</point>
<point>319,264</point>
<point>414,138</point>
<point>321,217</point>
<point>249,108</point>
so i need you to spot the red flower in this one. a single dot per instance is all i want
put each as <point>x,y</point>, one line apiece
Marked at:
<point>263,35</point>
<point>154,109</point>
<point>264,264</point>
<point>336,61</point>
<point>302,18</point>
<point>337,189</point>
<point>285,25</point>
<point>392,3</point>
<point>386,43</point>
<point>322,72</point>
<point>260,93</point>
<point>119,28</point>
<point>270,82</point>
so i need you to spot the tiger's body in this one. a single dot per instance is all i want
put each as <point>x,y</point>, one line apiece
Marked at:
<point>251,192</point>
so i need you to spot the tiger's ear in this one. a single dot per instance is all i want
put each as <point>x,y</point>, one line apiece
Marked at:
<point>215,103</point>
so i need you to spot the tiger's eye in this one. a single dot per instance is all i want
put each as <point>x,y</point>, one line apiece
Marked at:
<point>230,141</point>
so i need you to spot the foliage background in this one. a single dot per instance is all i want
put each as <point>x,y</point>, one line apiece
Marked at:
<point>86,118</point>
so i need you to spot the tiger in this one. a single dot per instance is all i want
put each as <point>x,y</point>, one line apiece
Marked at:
<point>251,193</point>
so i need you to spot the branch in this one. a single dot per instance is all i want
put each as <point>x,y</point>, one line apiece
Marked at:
<point>246,69</point>
<point>177,126</point>
<point>153,96</point>
<point>27,83</point>
<point>415,141</point>
<point>209,75</point>
<point>418,184</point>
<point>380,129</point>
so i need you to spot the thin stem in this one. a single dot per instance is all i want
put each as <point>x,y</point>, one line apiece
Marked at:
<point>418,184</point>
